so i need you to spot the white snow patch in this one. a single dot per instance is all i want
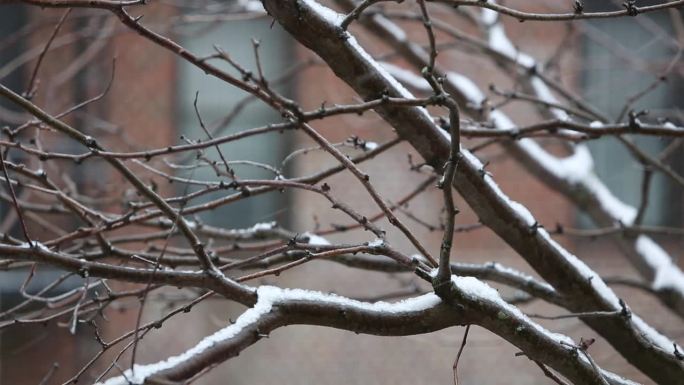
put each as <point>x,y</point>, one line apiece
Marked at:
<point>369,146</point>
<point>595,124</point>
<point>666,273</point>
<point>407,77</point>
<point>141,372</point>
<point>381,70</point>
<point>466,86</point>
<point>585,271</point>
<point>501,121</point>
<point>573,168</point>
<point>34,244</point>
<point>420,258</point>
<point>414,304</point>
<point>376,242</point>
<point>520,209</point>
<point>251,6</point>
<point>653,335</point>
<point>489,17</point>
<point>609,202</point>
<point>479,290</point>
<point>544,93</point>
<point>471,158</point>
<point>329,14</point>
<point>617,379</point>
<point>262,226</point>
<point>510,271</point>
<point>578,168</point>
<point>499,42</point>
<point>402,91</point>
<point>316,240</point>
<point>390,27</point>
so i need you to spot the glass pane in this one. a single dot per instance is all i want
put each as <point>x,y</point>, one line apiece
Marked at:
<point>620,60</point>
<point>217,99</point>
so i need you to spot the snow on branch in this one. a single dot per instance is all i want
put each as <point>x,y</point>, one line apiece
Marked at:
<point>268,296</point>
<point>477,296</point>
<point>527,220</point>
<point>667,274</point>
<point>578,168</point>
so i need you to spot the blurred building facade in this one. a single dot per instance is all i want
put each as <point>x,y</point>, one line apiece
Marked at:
<point>150,105</point>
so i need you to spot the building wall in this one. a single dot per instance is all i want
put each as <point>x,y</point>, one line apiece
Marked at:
<point>141,106</point>
<point>137,112</point>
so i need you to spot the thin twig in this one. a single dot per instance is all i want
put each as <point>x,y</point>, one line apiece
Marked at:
<point>458,355</point>
<point>30,91</point>
<point>14,197</point>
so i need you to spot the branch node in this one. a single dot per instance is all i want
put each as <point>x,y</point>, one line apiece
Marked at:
<point>630,6</point>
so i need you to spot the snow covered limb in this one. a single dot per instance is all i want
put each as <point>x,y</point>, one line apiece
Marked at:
<point>479,304</point>
<point>317,27</point>
<point>574,175</point>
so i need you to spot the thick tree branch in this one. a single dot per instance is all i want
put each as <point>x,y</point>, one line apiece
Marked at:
<point>277,307</point>
<point>315,27</point>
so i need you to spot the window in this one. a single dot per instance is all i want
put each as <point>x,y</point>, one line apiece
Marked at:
<point>623,57</point>
<point>216,101</point>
